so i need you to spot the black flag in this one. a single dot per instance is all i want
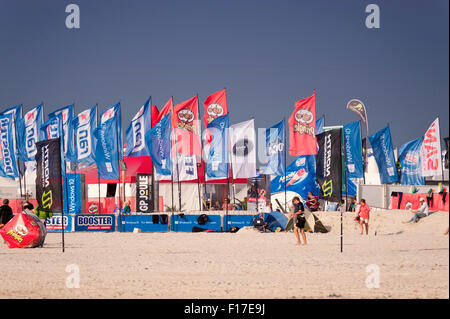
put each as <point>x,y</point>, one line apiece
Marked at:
<point>329,165</point>
<point>446,140</point>
<point>144,193</point>
<point>48,175</point>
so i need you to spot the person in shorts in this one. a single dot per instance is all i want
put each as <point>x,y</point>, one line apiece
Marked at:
<point>363,214</point>
<point>299,219</point>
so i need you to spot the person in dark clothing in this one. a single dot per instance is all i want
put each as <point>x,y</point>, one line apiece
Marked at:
<point>299,219</point>
<point>6,213</point>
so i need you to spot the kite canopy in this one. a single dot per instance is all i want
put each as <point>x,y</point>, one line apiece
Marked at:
<point>24,231</point>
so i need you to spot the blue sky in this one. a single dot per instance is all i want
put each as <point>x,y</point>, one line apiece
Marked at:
<point>268,54</point>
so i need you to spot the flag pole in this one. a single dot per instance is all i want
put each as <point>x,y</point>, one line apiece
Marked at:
<point>178,170</point>
<point>196,162</point>
<point>17,152</point>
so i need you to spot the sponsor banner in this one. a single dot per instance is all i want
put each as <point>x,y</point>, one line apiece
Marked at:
<point>218,156</point>
<point>410,163</point>
<point>383,151</point>
<point>215,106</point>
<point>29,133</point>
<point>243,149</point>
<point>102,222</point>
<point>358,107</point>
<point>275,150</point>
<point>141,123</point>
<point>146,223</point>
<point>431,151</point>
<point>353,150</point>
<point>160,146</point>
<point>55,223</point>
<point>329,165</point>
<point>186,125</point>
<point>144,193</point>
<point>48,175</point>
<point>320,124</point>
<point>16,112</point>
<point>84,125</point>
<point>446,140</point>
<point>67,127</point>
<point>302,128</point>
<point>8,164</point>
<point>187,222</point>
<point>73,204</point>
<point>258,192</point>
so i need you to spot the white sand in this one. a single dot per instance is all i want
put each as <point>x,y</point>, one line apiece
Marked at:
<point>413,261</point>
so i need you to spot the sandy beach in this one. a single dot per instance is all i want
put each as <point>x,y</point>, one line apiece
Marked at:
<point>413,262</point>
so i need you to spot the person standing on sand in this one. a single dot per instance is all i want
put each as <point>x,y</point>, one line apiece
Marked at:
<point>299,219</point>
<point>419,213</point>
<point>363,214</point>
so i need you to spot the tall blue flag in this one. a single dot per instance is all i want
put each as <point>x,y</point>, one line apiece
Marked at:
<point>84,125</point>
<point>353,150</point>
<point>383,151</point>
<point>141,123</point>
<point>67,118</point>
<point>29,132</point>
<point>16,112</point>
<point>410,163</point>
<point>108,143</point>
<point>275,149</point>
<point>160,145</point>
<point>218,155</point>
<point>320,123</point>
<point>8,164</point>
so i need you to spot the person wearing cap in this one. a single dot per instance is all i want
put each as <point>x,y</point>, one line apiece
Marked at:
<point>419,213</point>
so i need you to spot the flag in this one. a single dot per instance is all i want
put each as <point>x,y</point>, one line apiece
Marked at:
<point>243,149</point>
<point>16,112</point>
<point>50,128</point>
<point>353,150</point>
<point>410,163</point>
<point>302,128</point>
<point>215,106</point>
<point>84,125</point>
<point>160,146</point>
<point>108,143</point>
<point>154,115</point>
<point>275,150</point>
<point>67,117</point>
<point>329,165</point>
<point>358,107</point>
<point>218,156</point>
<point>140,124</point>
<point>446,156</point>
<point>320,123</point>
<point>29,133</point>
<point>383,152</point>
<point>431,151</point>
<point>8,164</point>
<point>187,129</point>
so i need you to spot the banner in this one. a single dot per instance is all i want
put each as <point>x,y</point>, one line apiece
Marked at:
<point>8,164</point>
<point>358,107</point>
<point>29,133</point>
<point>185,122</point>
<point>215,106</point>
<point>275,150</point>
<point>410,163</point>
<point>108,143</point>
<point>243,149</point>
<point>48,175</point>
<point>320,124</point>
<point>258,192</point>
<point>353,150</point>
<point>218,156</point>
<point>160,145</point>
<point>431,151</point>
<point>16,112</point>
<point>141,123</point>
<point>187,166</point>
<point>383,152</point>
<point>103,222</point>
<point>144,193</point>
<point>447,147</point>
<point>67,118</point>
<point>302,128</point>
<point>84,125</point>
<point>329,165</point>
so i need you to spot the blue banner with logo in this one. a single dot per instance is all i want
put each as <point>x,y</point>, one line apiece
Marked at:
<point>410,163</point>
<point>84,125</point>
<point>141,123</point>
<point>16,112</point>
<point>218,155</point>
<point>275,149</point>
<point>320,123</point>
<point>29,132</point>
<point>353,150</point>
<point>102,222</point>
<point>73,203</point>
<point>383,151</point>
<point>55,223</point>
<point>8,164</point>
<point>67,119</point>
<point>160,145</point>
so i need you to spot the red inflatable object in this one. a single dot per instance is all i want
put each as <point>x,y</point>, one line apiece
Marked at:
<point>24,231</point>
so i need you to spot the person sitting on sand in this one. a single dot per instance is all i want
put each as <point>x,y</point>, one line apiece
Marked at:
<point>363,214</point>
<point>419,213</point>
<point>299,219</point>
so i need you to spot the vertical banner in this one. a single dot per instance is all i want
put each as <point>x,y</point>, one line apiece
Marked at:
<point>186,124</point>
<point>358,107</point>
<point>383,151</point>
<point>160,146</point>
<point>258,192</point>
<point>67,118</point>
<point>446,140</point>
<point>215,106</point>
<point>29,132</point>
<point>218,157</point>
<point>320,124</point>
<point>243,149</point>
<point>353,150</point>
<point>275,150</point>
<point>410,163</point>
<point>302,128</point>
<point>8,164</point>
<point>431,151</point>
<point>141,123</point>
<point>48,175</point>
<point>329,165</point>
<point>144,193</point>
<point>84,125</point>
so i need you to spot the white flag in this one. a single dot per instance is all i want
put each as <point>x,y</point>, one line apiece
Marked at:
<point>187,166</point>
<point>431,151</point>
<point>243,149</point>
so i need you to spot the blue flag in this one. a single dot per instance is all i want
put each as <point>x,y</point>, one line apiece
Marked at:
<point>218,155</point>
<point>84,125</point>
<point>16,112</point>
<point>8,164</point>
<point>353,150</point>
<point>160,145</point>
<point>275,149</point>
<point>50,128</point>
<point>383,152</point>
<point>320,123</point>
<point>108,143</point>
<point>67,118</point>
<point>141,123</point>
<point>410,163</point>
<point>29,132</point>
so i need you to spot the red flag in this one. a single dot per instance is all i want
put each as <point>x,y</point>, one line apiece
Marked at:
<point>187,129</point>
<point>302,128</point>
<point>155,115</point>
<point>215,106</point>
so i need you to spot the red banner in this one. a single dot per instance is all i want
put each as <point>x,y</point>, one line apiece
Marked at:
<point>187,129</point>
<point>215,106</point>
<point>302,128</point>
